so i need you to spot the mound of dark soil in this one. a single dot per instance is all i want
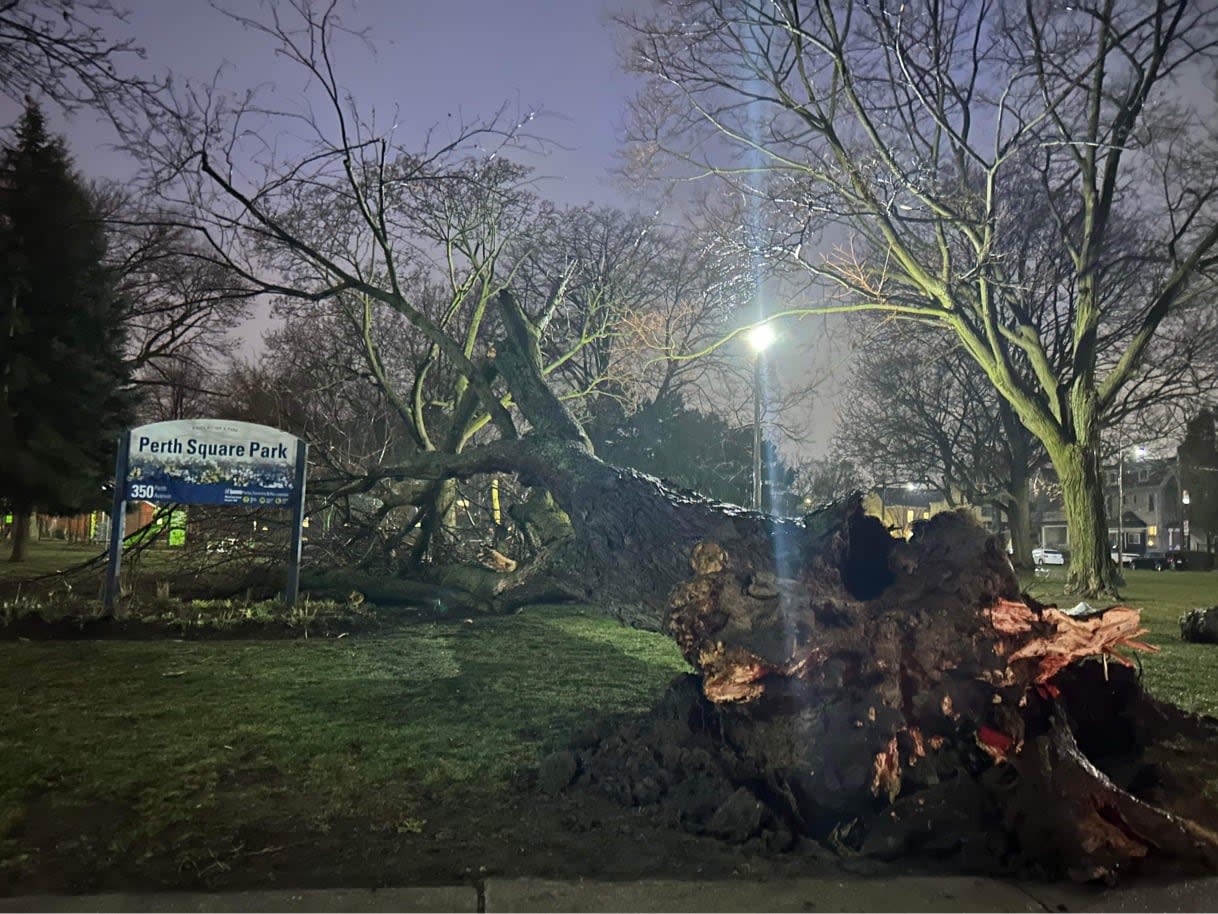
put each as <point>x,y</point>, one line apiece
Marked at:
<point>713,771</point>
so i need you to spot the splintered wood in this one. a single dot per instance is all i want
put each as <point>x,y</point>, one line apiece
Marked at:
<point>1049,639</point>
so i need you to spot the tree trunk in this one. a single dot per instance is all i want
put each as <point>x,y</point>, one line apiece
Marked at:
<point>631,538</point>
<point>1017,507</point>
<point>1092,571</point>
<point>21,534</point>
<point>1019,523</point>
<point>1019,517</point>
<point>437,511</point>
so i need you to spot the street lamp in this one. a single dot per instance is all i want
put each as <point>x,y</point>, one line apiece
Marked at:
<point>1140,451</point>
<point>1120,545</point>
<point>760,338</point>
<point>1184,500</point>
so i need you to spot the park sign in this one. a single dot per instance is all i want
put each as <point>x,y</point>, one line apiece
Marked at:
<point>208,462</point>
<point>211,462</point>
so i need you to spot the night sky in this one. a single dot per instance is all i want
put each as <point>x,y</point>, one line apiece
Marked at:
<point>436,61</point>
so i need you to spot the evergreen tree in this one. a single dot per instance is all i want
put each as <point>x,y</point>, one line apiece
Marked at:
<point>696,451</point>
<point>64,391</point>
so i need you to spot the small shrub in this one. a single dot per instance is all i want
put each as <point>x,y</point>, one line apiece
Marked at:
<point>1200,626</point>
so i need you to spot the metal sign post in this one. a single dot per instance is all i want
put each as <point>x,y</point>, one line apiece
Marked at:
<point>298,500</point>
<point>118,518</point>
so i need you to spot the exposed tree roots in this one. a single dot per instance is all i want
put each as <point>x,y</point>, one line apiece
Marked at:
<point>892,699</point>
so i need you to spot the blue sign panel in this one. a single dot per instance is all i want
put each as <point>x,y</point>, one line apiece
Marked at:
<point>211,462</point>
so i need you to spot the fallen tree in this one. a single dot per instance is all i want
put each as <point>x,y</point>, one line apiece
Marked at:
<point>882,696</point>
<point>849,687</point>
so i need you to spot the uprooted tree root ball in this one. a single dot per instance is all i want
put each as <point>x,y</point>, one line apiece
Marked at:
<point>893,699</point>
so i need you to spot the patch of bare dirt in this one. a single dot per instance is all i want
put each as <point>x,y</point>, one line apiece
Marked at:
<point>450,839</point>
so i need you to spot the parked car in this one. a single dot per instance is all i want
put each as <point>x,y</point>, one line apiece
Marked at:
<point>1045,556</point>
<point>1161,561</point>
<point>227,544</point>
<point>1127,559</point>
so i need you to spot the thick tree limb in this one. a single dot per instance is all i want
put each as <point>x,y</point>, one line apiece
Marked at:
<point>519,362</point>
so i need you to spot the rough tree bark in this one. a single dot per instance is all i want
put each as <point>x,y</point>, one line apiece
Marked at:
<point>1092,570</point>
<point>21,533</point>
<point>1019,522</point>
<point>881,696</point>
<point>1017,504</point>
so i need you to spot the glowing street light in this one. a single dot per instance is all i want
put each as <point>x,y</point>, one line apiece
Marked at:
<point>1140,452</point>
<point>1184,503</point>
<point>760,338</point>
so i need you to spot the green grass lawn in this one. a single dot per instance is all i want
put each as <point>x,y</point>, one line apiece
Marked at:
<point>55,568</point>
<point>246,733</point>
<point>47,560</point>
<point>44,557</point>
<point>165,750</point>
<point>1182,673</point>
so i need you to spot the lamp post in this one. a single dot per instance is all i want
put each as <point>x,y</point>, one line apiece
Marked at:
<point>1140,451</point>
<point>1120,546</point>
<point>759,338</point>
<point>1184,543</point>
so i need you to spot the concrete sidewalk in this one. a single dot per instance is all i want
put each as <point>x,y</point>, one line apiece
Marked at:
<point>844,893</point>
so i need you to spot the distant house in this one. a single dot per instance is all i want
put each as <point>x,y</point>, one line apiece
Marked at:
<point>1150,506</point>
<point>93,527</point>
<point>899,507</point>
<point>1151,512</point>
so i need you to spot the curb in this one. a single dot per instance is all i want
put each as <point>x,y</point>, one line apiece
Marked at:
<point>888,893</point>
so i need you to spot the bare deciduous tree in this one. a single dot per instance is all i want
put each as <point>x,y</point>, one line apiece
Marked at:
<point>883,146</point>
<point>922,412</point>
<point>65,52</point>
<point>181,307</point>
